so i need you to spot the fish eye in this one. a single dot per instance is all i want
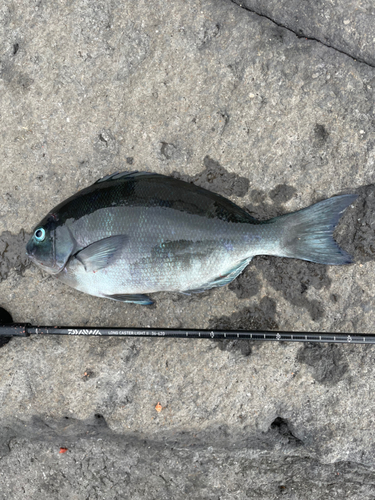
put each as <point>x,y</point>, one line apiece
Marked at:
<point>40,234</point>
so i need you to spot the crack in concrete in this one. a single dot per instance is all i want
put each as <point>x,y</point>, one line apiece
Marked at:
<point>301,35</point>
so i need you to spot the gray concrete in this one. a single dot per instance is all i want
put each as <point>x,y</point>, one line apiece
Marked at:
<point>346,25</point>
<point>234,102</point>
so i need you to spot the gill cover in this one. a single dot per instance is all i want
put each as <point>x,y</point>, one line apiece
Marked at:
<point>51,246</point>
<point>65,245</point>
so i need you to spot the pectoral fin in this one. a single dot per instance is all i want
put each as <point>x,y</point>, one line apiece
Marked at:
<point>102,253</point>
<point>137,298</point>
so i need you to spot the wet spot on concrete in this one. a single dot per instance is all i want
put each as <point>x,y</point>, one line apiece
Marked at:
<point>16,79</point>
<point>13,253</point>
<point>320,134</point>
<point>262,209</point>
<point>23,81</point>
<point>277,34</point>
<point>258,196</point>
<point>293,278</point>
<point>216,178</point>
<point>356,230</point>
<point>246,285</point>
<point>257,317</point>
<point>327,362</point>
<point>282,193</point>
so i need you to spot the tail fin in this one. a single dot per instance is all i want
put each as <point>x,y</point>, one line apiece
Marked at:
<point>308,233</point>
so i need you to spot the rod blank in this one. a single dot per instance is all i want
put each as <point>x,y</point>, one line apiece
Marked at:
<point>24,330</point>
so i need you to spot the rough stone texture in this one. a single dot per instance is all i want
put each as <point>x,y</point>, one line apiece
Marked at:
<point>227,99</point>
<point>346,25</point>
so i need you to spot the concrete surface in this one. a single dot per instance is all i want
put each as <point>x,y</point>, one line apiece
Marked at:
<point>235,102</point>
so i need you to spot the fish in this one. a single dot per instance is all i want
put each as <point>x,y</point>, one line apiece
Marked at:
<point>131,234</point>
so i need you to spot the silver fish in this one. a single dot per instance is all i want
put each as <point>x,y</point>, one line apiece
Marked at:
<point>136,233</point>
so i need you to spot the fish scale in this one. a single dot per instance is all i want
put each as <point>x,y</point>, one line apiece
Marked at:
<point>131,234</point>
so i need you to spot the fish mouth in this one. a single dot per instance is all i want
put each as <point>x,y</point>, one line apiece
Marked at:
<point>33,259</point>
<point>42,266</point>
<point>30,256</point>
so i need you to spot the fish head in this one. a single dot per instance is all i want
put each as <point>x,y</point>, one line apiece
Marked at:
<point>51,245</point>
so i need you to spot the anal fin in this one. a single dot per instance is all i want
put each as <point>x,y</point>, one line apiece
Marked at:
<point>222,280</point>
<point>136,298</point>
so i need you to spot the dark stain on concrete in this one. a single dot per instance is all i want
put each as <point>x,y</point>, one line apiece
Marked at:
<point>262,209</point>
<point>327,362</point>
<point>13,253</point>
<point>216,178</point>
<point>356,230</point>
<point>247,284</point>
<point>282,193</point>
<point>10,74</point>
<point>257,317</point>
<point>320,134</point>
<point>292,278</point>
<point>12,257</point>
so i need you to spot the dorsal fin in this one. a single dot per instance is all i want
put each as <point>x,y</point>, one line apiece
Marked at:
<point>121,175</point>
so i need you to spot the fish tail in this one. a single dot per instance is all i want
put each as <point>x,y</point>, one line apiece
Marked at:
<point>308,233</point>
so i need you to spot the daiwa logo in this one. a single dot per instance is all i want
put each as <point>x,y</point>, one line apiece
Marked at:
<point>73,331</point>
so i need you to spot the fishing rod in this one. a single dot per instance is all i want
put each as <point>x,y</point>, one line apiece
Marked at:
<point>10,329</point>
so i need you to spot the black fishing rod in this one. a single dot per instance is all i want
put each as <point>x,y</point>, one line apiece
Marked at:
<point>10,329</point>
